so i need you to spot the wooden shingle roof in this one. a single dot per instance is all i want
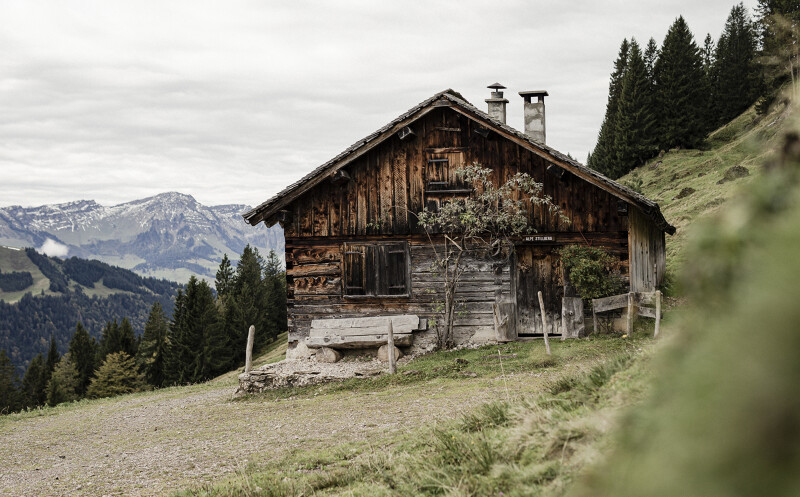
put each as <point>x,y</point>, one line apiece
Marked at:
<point>450,98</point>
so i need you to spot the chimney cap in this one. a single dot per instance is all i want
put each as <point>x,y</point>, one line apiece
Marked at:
<point>534,93</point>
<point>496,86</point>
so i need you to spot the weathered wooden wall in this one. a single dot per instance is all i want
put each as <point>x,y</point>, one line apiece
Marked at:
<point>394,180</point>
<point>315,290</point>
<point>647,253</point>
<point>389,184</point>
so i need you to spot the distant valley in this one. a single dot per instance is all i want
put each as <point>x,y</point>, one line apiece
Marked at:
<point>169,235</point>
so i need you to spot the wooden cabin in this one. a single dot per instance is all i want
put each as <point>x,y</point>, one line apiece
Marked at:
<point>354,249</point>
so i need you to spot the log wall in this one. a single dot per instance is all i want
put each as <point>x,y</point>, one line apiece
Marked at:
<point>314,279</point>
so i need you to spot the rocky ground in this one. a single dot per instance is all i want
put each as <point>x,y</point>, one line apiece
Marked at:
<point>156,442</point>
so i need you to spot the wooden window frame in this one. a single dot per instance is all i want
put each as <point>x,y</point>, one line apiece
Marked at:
<point>379,265</point>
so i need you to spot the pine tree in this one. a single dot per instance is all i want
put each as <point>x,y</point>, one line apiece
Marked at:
<point>117,338</point>
<point>151,355</point>
<point>52,359</point>
<point>116,376</point>
<point>779,25</point>
<point>200,344</point>
<point>275,282</point>
<point>650,58</point>
<point>173,354</point>
<point>738,76</point>
<point>680,89</point>
<point>635,122</point>
<point>10,396</point>
<point>710,82</point>
<point>224,281</point>
<point>603,155</point>
<point>250,294</point>
<point>64,382</point>
<point>82,351</point>
<point>33,387</point>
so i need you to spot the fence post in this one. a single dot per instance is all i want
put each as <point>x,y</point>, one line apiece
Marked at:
<point>544,323</point>
<point>658,313</point>
<point>630,313</point>
<point>248,358</point>
<point>390,347</point>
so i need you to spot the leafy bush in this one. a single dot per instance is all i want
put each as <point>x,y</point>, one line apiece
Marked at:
<point>592,271</point>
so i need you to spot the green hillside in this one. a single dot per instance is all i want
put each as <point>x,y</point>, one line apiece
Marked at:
<point>64,292</point>
<point>690,183</point>
<point>12,260</point>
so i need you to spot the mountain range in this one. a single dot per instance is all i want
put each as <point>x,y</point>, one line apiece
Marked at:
<point>170,235</point>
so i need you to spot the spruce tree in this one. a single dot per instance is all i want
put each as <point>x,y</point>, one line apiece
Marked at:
<point>738,75</point>
<point>117,338</point>
<point>710,82</point>
<point>174,354</point>
<point>10,395</point>
<point>275,282</point>
<point>603,155</point>
<point>127,338</point>
<point>33,388</point>
<point>116,376</point>
<point>82,351</point>
<point>680,90</point>
<point>151,355</point>
<point>52,359</point>
<point>224,281</point>
<point>635,122</point>
<point>650,58</point>
<point>250,294</point>
<point>200,346</point>
<point>779,25</point>
<point>64,382</point>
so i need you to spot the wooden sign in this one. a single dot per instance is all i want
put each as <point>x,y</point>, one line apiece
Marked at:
<point>539,238</point>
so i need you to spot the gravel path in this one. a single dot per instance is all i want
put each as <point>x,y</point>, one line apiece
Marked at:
<point>157,442</point>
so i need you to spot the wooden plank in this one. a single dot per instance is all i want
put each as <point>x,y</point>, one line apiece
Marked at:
<point>610,303</point>
<point>646,298</point>
<point>647,312</point>
<point>400,191</point>
<point>317,285</point>
<point>572,318</point>
<point>410,321</point>
<point>386,188</point>
<point>326,268</point>
<point>298,256</point>
<point>358,342</point>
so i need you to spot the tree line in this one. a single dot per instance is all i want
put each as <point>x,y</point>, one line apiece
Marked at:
<point>672,96</point>
<point>205,337</point>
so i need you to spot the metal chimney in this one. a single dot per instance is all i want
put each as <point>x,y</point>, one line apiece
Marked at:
<point>497,104</point>
<point>534,115</point>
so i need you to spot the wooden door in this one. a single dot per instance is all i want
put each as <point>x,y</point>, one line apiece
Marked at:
<point>538,268</point>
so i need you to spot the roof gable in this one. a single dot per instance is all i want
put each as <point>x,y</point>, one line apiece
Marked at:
<point>454,100</point>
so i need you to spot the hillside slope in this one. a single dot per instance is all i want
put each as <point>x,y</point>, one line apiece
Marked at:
<point>65,292</point>
<point>688,184</point>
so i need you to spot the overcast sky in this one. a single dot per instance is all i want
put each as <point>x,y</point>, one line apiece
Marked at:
<point>232,101</point>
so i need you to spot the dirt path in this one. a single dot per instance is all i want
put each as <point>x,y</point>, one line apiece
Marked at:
<point>152,443</point>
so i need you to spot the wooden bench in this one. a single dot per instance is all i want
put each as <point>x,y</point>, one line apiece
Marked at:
<point>359,333</point>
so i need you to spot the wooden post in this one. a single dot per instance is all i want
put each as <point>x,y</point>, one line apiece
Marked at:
<point>390,346</point>
<point>248,358</point>
<point>630,313</point>
<point>594,319</point>
<point>544,323</point>
<point>658,313</point>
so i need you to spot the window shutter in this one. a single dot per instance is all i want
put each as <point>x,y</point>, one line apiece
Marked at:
<point>372,271</point>
<point>395,269</point>
<point>354,270</point>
